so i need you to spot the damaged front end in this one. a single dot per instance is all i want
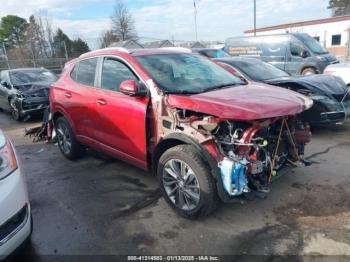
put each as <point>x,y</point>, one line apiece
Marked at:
<point>248,155</point>
<point>30,100</point>
<point>256,153</point>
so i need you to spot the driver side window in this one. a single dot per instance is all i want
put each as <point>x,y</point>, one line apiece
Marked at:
<point>114,73</point>
<point>296,49</point>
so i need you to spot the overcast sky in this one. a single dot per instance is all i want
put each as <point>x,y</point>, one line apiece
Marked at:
<point>164,19</point>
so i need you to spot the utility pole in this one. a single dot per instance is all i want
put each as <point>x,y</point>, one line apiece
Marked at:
<point>7,59</point>
<point>195,19</point>
<point>254,17</point>
<point>33,55</point>
<point>65,50</point>
<point>348,44</point>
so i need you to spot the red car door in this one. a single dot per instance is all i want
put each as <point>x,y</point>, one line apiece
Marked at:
<point>78,98</point>
<point>121,127</point>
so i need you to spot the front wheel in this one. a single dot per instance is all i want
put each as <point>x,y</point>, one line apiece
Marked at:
<point>67,142</point>
<point>308,71</point>
<point>14,111</point>
<point>186,182</point>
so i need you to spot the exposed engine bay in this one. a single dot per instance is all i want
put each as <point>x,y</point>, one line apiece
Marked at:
<point>252,153</point>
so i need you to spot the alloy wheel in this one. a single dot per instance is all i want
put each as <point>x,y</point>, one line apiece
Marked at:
<point>64,138</point>
<point>181,184</point>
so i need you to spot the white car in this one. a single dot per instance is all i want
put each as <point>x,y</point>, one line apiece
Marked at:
<point>15,215</point>
<point>342,70</point>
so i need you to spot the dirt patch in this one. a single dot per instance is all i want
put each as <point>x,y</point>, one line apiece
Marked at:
<point>337,221</point>
<point>318,201</point>
<point>319,244</point>
<point>271,240</point>
<point>142,203</point>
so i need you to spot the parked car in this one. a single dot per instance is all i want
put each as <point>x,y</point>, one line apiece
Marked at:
<point>329,94</point>
<point>341,70</point>
<point>15,215</point>
<point>25,91</point>
<point>205,133</point>
<point>295,53</point>
<point>211,52</point>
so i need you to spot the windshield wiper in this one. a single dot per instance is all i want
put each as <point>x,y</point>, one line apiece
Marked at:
<point>183,92</point>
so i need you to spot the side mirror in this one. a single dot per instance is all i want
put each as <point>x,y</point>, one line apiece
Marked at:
<point>132,88</point>
<point>5,84</point>
<point>305,54</point>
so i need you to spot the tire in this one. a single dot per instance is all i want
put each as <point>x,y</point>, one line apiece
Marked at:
<point>67,142</point>
<point>197,190</point>
<point>15,114</point>
<point>308,71</point>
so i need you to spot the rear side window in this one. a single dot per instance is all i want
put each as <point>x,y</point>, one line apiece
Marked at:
<point>84,72</point>
<point>114,73</point>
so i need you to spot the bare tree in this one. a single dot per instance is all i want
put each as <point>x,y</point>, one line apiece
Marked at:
<point>107,38</point>
<point>123,24</point>
<point>40,36</point>
<point>339,7</point>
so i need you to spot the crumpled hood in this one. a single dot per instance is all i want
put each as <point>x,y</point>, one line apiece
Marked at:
<point>247,102</point>
<point>34,89</point>
<point>318,84</point>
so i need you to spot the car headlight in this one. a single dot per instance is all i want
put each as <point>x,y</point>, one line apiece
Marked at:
<point>8,161</point>
<point>322,58</point>
<point>325,99</point>
<point>308,103</point>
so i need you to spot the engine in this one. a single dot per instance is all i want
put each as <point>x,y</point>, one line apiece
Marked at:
<point>256,153</point>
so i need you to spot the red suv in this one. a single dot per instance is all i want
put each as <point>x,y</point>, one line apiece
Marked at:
<point>205,133</point>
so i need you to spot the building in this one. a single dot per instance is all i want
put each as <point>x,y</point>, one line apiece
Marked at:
<point>332,33</point>
<point>158,44</point>
<point>193,44</point>
<point>128,44</point>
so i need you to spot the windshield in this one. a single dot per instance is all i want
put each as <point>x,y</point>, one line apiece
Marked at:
<point>31,76</point>
<point>312,44</point>
<point>213,53</point>
<point>258,70</point>
<point>186,73</point>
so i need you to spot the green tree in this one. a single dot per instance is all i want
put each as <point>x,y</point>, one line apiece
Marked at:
<point>339,7</point>
<point>78,47</point>
<point>12,30</point>
<point>61,44</point>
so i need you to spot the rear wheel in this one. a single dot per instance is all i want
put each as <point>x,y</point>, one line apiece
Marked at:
<point>308,71</point>
<point>186,183</point>
<point>67,142</point>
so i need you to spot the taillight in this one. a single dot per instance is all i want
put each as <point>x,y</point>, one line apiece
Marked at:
<point>8,161</point>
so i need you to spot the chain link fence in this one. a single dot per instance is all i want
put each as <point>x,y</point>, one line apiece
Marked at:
<point>54,64</point>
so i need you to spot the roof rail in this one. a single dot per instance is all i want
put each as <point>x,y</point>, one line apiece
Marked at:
<point>116,48</point>
<point>176,48</point>
<point>120,49</point>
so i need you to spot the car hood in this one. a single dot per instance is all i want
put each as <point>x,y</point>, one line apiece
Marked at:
<point>40,89</point>
<point>319,84</point>
<point>250,102</point>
